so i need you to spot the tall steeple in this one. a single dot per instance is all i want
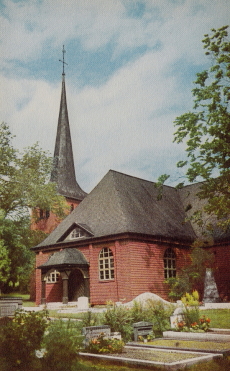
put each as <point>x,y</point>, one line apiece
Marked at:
<point>63,172</point>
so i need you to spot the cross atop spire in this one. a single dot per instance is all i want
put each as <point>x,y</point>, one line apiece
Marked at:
<point>63,61</point>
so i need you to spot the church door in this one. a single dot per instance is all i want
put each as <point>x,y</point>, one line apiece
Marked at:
<point>76,287</point>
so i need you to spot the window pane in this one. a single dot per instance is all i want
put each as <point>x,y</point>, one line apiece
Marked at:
<point>106,264</point>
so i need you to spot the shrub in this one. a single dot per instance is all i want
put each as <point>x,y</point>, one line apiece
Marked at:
<point>191,308</point>
<point>21,337</point>
<point>120,320</point>
<point>138,312</point>
<point>61,343</point>
<point>101,344</point>
<point>191,313</point>
<point>159,314</point>
<point>91,319</point>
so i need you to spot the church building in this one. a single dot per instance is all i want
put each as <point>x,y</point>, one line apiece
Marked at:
<point>121,239</point>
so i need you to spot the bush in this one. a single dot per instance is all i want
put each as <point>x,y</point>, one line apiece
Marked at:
<point>138,312</point>
<point>105,345</point>
<point>91,319</point>
<point>61,344</point>
<point>21,337</point>
<point>119,319</point>
<point>191,313</point>
<point>191,308</point>
<point>159,314</point>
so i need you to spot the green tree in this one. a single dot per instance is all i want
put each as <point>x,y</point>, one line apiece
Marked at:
<point>206,130</point>
<point>24,186</point>
<point>192,276</point>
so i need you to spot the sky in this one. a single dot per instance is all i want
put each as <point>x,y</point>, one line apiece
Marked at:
<point>130,71</point>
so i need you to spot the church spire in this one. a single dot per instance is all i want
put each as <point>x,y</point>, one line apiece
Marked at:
<point>63,172</point>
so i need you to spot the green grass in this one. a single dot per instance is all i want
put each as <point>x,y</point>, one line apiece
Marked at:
<point>54,314</point>
<point>215,365</point>
<point>190,344</point>
<point>220,318</point>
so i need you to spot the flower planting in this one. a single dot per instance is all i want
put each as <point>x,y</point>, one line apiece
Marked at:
<point>103,345</point>
<point>192,321</point>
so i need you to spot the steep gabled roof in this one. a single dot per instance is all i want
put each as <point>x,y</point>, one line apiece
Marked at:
<point>124,204</point>
<point>63,172</point>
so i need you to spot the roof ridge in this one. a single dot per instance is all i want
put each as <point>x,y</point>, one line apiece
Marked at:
<point>138,178</point>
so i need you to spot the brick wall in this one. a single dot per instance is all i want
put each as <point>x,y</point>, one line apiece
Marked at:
<point>222,270</point>
<point>138,268</point>
<point>47,225</point>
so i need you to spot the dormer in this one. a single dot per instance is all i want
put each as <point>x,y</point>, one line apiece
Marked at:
<point>76,232</point>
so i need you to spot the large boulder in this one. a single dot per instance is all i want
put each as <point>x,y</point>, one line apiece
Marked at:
<point>143,298</point>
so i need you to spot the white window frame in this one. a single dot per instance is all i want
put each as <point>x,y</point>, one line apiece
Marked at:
<point>53,276</point>
<point>106,264</point>
<point>77,233</point>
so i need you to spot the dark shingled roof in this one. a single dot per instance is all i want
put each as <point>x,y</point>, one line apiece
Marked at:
<point>63,172</point>
<point>65,257</point>
<point>193,203</point>
<point>125,204</point>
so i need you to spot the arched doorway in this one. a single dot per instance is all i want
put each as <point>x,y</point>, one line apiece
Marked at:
<point>76,286</point>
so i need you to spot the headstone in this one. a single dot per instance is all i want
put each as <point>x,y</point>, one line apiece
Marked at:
<point>8,306</point>
<point>115,335</point>
<point>83,302</point>
<point>178,316</point>
<point>211,294</point>
<point>93,332</point>
<point>142,329</point>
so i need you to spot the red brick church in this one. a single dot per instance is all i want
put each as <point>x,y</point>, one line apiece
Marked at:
<point>120,240</point>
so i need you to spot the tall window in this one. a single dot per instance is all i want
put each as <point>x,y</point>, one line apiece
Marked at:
<point>106,264</point>
<point>169,263</point>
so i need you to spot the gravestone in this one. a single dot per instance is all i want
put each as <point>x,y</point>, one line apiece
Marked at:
<point>8,306</point>
<point>211,294</point>
<point>142,329</point>
<point>83,303</point>
<point>178,316</point>
<point>92,332</point>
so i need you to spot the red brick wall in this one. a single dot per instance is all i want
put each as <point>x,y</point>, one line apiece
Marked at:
<point>47,225</point>
<point>54,292</point>
<point>222,270</point>
<point>100,291</point>
<point>138,268</point>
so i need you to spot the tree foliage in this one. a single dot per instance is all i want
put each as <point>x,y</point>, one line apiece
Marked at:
<point>24,186</point>
<point>206,129</point>
<point>191,277</point>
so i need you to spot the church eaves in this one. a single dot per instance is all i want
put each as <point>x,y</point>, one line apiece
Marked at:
<point>63,172</point>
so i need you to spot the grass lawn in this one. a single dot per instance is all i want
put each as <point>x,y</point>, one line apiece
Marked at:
<point>190,344</point>
<point>220,318</point>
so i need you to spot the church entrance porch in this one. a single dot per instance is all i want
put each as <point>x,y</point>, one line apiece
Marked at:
<point>76,286</point>
<point>67,269</point>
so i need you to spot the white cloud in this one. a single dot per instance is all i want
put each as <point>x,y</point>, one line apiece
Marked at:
<point>126,123</point>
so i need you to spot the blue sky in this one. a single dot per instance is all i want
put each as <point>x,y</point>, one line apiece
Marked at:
<point>131,67</point>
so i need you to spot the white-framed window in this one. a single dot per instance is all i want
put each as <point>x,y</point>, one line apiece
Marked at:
<point>77,233</point>
<point>106,264</point>
<point>53,276</point>
<point>169,263</point>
